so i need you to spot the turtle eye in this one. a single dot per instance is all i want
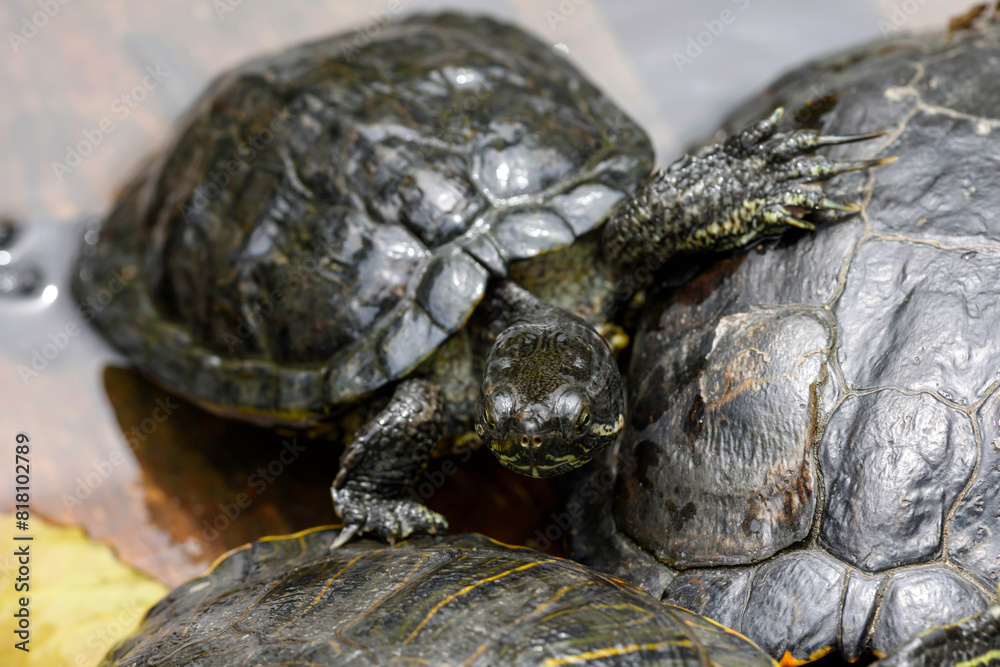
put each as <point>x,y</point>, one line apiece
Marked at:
<point>496,405</point>
<point>583,421</point>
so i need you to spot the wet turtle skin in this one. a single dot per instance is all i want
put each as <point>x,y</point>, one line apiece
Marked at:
<point>457,600</point>
<point>812,455</point>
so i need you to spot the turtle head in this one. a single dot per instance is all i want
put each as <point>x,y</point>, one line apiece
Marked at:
<point>552,397</point>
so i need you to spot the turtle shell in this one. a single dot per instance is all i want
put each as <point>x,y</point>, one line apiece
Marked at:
<point>813,452</point>
<point>463,599</point>
<point>330,215</point>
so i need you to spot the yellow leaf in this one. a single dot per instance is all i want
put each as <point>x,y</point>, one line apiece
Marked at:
<point>81,599</point>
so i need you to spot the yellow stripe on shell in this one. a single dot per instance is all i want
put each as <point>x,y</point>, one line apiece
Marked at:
<point>462,592</point>
<point>267,538</point>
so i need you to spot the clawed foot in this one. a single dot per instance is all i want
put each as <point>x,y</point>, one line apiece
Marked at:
<point>390,519</point>
<point>787,170</point>
<point>730,194</point>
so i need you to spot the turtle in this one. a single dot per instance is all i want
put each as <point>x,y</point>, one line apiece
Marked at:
<point>459,599</point>
<point>331,240</point>
<point>430,600</point>
<point>812,455</point>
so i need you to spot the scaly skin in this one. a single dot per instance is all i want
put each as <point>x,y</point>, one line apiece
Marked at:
<point>727,195</point>
<point>384,460</point>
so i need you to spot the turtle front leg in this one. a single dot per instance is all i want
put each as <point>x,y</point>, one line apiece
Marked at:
<point>384,460</point>
<point>728,195</point>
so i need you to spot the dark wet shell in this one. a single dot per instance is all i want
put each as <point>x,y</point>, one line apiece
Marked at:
<point>328,216</point>
<point>462,599</point>
<point>819,421</point>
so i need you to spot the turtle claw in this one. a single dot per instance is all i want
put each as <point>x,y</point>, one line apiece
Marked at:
<point>835,139</point>
<point>813,168</point>
<point>831,169</point>
<point>346,533</point>
<point>798,222</point>
<point>390,519</point>
<point>794,171</point>
<point>878,162</point>
<point>805,198</point>
<point>777,215</point>
<point>846,206</point>
<point>788,145</point>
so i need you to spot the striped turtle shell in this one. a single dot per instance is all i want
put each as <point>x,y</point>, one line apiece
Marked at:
<point>456,600</point>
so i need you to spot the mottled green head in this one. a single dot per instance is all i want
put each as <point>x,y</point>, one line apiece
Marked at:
<point>552,397</point>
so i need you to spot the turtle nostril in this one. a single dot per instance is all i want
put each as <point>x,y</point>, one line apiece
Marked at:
<point>524,441</point>
<point>536,441</point>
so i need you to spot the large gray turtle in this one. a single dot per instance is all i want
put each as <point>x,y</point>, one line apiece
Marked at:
<point>813,451</point>
<point>328,219</point>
